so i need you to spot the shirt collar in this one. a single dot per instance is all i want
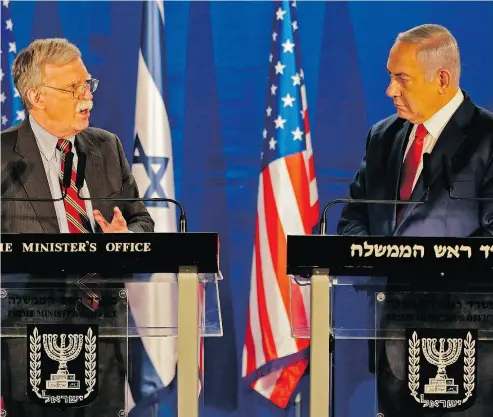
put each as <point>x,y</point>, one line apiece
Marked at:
<point>46,141</point>
<point>436,123</point>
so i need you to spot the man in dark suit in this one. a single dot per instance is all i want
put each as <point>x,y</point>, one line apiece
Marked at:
<point>56,90</point>
<point>433,115</point>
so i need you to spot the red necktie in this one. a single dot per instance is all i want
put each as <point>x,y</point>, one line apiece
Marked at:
<point>410,168</point>
<point>77,220</point>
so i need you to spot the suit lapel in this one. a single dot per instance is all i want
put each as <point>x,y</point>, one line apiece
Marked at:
<point>30,170</point>
<point>94,165</point>
<point>449,144</point>
<point>94,168</point>
<point>396,157</point>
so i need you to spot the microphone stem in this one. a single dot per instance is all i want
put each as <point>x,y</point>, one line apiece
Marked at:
<point>323,221</point>
<point>183,218</point>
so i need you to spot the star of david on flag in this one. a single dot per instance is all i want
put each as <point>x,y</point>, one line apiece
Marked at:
<point>155,169</point>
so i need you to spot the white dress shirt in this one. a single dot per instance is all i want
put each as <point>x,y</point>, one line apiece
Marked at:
<point>435,125</point>
<point>51,158</point>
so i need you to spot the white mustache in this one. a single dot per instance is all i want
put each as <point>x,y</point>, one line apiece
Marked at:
<point>84,105</point>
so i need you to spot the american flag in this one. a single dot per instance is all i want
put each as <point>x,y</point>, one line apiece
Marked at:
<point>273,361</point>
<point>12,110</point>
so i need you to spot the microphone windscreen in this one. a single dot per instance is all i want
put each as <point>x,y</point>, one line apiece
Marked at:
<point>81,170</point>
<point>67,170</point>
<point>447,172</point>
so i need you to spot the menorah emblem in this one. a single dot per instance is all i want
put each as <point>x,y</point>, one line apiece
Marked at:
<point>452,388</point>
<point>63,354</point>
<point>51,350</point>
<point>441,358</point>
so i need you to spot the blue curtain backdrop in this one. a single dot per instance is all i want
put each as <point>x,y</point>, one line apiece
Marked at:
<point>217,67</point>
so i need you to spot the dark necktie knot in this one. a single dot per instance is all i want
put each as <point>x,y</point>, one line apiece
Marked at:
<point>64,146</point>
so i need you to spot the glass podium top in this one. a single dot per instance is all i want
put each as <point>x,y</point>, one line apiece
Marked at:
<point>374,307</point>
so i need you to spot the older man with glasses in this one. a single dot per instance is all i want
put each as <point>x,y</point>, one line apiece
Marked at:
<point>57,91</point>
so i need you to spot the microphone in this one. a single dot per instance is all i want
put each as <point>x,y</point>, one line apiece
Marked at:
<point>447,173</point>
<point>426,185</point>
<point>67,177</point>
<point>79,182</point>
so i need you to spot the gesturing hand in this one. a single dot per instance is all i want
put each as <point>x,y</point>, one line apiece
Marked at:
<point>118,223</point>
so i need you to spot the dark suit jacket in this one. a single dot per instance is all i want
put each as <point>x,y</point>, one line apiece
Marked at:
<point>467,139</point>
<point>107,175</point>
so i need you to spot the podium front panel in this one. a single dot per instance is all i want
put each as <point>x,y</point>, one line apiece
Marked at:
<point>56,340</point>
<point>434,350</point>
<point>128,322</point>
<point>406,347</point>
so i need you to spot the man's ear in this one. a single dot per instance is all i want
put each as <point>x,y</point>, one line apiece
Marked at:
<point>36,98</point>
<point>444,80</point>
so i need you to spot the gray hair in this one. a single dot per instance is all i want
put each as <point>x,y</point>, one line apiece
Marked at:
<point>438,49</point>
<point>28,65</point>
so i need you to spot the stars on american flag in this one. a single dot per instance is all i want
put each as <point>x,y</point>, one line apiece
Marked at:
<point>297,134</point>
<point>288,100</point>
<point>279,68</point>
<point>288,46</point>
<point>12,111</point>
<point>279,122</point>
<point>283,132</point>
<point>280,14</point>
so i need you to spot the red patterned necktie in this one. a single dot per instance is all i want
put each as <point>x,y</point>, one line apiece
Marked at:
<point>410,168</point>
<point>77,220</point>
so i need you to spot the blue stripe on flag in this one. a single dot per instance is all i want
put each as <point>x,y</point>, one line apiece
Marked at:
<point>152,43</point>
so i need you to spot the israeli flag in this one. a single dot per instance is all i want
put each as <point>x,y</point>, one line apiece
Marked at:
<point>153,306</point>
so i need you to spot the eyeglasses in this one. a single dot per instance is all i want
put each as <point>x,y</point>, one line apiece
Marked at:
<point>80,90</point>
